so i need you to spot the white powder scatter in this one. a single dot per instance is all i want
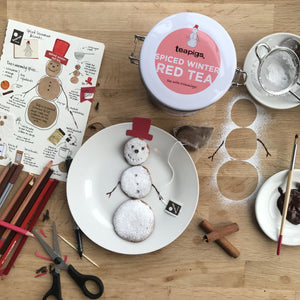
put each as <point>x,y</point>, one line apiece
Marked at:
<point>258,126</point>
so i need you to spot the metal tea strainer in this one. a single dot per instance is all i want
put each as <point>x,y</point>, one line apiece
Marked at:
<point>278,70</point>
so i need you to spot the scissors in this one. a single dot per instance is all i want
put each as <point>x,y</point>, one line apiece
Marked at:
<point>79,278</point>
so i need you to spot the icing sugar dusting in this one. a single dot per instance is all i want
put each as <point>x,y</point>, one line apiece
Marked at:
<point>258,125</point>
<point>136,182</point>
<point>133,220</point>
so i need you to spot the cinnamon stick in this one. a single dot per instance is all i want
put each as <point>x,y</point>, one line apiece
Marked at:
<point>221,232</point>
<point>222,242</point>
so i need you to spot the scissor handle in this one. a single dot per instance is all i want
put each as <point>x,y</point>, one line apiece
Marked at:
<point>55,290</point>
<point>81,280</point>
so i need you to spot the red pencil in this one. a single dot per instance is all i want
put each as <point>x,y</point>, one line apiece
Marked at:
<point>16,228</point>
<point>8,235</point>
<point>31,225</point>
<point>27,199</point>
<point>25,222</point>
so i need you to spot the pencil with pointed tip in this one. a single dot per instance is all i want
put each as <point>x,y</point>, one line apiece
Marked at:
<point>16,228</point>
<point>287,194</point>
<point>27,199</point>
<point>12,242</point>
<point>34,219</point>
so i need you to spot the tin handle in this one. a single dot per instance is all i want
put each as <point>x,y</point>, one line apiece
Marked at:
<point>132,58</point>
<point>240,78</point>
<point>264,45</point>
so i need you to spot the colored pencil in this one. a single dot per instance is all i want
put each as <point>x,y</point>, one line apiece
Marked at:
<point>287,194</point>
<point>7,177</point>
<point>34,219</point>
<point>4,172</point>
<point>20,191</point>
<point>11,241</point>
<point>35,186</point>
<point>20,216</point>
<point>16,228</point>
<point>25,202</point>
<point>13,207</point>
<point>11,183</point>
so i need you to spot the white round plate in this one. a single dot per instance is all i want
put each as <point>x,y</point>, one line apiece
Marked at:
<point>267,213</point>
<point>96,170</point>
<point>250,67</point>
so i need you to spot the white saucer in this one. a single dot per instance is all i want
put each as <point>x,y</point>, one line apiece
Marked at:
<point>268,215</point>
<point>250,67</point>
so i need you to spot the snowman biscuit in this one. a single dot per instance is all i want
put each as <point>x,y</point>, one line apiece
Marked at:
<point>136,182</point>
<point>133,220</point>
<point>136,151</point>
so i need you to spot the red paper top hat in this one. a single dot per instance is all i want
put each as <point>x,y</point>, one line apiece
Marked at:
<point>60,48</point>
<point>140,128</point>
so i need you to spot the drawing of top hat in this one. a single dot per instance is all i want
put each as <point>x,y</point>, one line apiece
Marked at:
<point>60,48</point>
<point>140,128</point>
<point>89,80</point>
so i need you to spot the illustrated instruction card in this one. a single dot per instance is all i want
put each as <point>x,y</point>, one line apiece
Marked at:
<point>47,84</point>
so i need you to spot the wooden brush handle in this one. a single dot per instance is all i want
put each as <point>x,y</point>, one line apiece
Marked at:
<point>286,199</point>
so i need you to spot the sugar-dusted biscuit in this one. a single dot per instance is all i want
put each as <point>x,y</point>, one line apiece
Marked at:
<point>136,151</point>
<point>134,220</point>
<point>136,182</point>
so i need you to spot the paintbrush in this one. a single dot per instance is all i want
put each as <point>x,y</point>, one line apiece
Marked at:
<point>287,194</point>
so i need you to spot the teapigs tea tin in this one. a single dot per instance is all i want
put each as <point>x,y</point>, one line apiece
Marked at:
<point>187,62</point>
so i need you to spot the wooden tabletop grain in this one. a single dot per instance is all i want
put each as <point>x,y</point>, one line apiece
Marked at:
<point>187,268</point>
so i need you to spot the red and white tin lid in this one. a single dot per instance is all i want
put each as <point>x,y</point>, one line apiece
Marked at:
<point>187,61</point>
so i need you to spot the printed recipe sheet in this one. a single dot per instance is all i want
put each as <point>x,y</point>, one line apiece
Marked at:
<point>47,84</point>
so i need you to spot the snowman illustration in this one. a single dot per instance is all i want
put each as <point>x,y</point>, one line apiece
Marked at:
<point>192,42</point>
<point>28,51</point>
<point>42,111</point>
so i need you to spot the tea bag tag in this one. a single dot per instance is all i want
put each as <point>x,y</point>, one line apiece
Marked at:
<point>173,208</point>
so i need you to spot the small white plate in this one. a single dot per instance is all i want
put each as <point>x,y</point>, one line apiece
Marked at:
<point>268,215</point>
<point>250,67</point>
<point>96,169</point>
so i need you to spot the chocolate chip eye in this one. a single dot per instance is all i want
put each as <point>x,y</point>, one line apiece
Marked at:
<point>132,146</point>
<point>143,148</point>
<point>135,175</point>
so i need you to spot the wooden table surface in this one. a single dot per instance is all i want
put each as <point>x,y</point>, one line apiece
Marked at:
<point>187,268</point>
